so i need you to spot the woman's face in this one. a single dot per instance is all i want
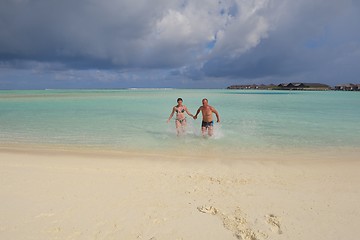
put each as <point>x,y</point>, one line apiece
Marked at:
<point>180,102</point>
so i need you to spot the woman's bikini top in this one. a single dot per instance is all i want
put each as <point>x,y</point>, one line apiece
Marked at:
<point>182,110</point>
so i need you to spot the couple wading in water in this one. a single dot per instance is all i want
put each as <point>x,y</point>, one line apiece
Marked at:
<point>206,110</point>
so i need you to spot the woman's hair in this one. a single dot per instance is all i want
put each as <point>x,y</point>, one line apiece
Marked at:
<point>179,99</point>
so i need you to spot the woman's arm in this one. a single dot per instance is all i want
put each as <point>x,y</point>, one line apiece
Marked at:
<point>171,115</point>
<point>187,111</point>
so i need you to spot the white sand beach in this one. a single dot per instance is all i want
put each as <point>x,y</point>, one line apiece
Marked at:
<point>67,195</point>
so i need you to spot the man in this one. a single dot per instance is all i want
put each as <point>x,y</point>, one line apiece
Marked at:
<point>207,117</point>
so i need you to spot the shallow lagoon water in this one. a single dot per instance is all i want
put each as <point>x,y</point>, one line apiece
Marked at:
<point>135,119</point>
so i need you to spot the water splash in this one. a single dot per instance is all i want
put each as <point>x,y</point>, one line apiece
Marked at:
<point>218,133</point>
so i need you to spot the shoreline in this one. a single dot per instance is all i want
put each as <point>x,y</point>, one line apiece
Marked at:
<point>256,154</point>
<point>75,195</point>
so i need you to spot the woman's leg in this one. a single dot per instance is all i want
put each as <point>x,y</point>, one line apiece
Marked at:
<point>183,126</point>
<point>178,126</point>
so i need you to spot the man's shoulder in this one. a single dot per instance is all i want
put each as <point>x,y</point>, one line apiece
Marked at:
<point>212,108</point>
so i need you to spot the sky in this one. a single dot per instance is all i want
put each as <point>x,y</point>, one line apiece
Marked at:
<point>46,44</point>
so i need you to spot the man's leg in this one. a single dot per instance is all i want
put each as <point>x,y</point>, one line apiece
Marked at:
<point>210,130</point>
<point>203,130</point>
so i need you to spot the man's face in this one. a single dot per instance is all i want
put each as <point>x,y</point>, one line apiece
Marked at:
<point>204,102</point>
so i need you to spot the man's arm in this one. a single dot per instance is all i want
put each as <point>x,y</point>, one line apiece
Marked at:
<point>216,113</point>
<point>197,112</point>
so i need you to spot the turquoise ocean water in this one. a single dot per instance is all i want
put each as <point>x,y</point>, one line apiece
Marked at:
<point>135,119</point>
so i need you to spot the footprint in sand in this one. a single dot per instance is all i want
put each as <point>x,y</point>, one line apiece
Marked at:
<point>211,210</point>
<point>236,223</point>
<point>274,223</point>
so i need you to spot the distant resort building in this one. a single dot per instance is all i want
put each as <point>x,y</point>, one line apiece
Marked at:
<point>285,86</point>
<point>348,87</point>
<point>303,86</point>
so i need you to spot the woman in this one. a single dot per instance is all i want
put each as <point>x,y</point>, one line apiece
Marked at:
<point>180,120</point>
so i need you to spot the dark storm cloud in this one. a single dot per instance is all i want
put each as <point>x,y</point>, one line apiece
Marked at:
<point>189,40</point>
<point>317,41</point>
<point>133,34</point>
<point>80,32</point>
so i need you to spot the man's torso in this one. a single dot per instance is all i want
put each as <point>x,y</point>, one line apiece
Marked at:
<point>206,113</point>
